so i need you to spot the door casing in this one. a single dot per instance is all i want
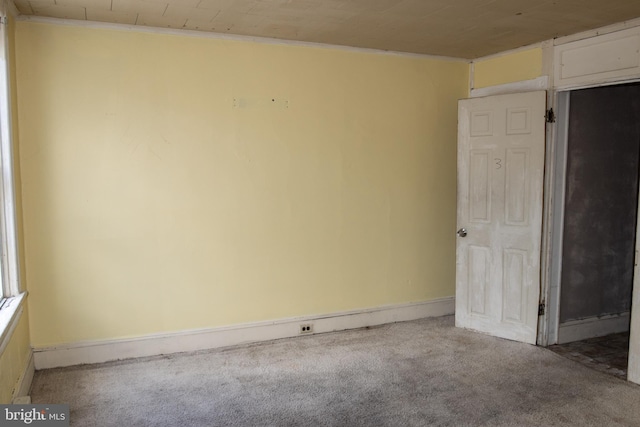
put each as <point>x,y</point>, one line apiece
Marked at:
<point>552,229</point>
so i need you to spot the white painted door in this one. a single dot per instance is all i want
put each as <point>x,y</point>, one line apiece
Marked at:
<point>501,142</point>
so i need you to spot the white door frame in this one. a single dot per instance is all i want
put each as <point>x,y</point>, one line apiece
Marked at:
<point>553,220</point>
<point>575,62</point>
<point>553,216</point>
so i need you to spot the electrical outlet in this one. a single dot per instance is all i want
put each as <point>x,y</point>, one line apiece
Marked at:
<point>306,328</point>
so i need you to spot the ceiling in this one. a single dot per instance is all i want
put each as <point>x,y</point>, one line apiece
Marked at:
<point>457,28</point>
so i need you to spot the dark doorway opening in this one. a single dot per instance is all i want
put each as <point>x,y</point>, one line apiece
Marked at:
<point>599,230</point>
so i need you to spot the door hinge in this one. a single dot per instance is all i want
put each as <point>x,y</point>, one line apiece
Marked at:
<point>550,116</point>
<point>541,309</point>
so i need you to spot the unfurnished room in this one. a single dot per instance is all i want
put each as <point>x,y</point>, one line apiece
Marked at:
<point>319,212</point>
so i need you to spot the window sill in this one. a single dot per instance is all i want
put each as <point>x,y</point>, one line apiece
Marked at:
<point>9,316</point>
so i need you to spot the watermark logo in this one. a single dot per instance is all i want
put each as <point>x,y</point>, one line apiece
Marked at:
<point>34,415</point>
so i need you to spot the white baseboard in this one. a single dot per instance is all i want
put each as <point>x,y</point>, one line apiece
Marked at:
<point>24,382</point>
<point>577,330</point>
<point>193,340</point>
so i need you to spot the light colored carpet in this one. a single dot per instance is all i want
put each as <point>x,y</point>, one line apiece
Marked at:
<point>420,373</point>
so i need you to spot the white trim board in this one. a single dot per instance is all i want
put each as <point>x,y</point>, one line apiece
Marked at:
<point>226,36</point>
<point>591,327</point>
<point>193,340</point>
<point>555,190</point>
<point>539,83</point>
<point>10,315</point>
<point>602,83</point>
<point>619,26</point>
<point>25,380</point>
<point>606,58</point>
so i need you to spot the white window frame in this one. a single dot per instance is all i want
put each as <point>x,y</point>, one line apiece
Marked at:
<point>12,298</point>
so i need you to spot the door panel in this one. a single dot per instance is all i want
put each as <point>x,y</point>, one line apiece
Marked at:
<point>479,276</point>
<point>516,203</point>
<point>480,185</point>
<point>500,172</point>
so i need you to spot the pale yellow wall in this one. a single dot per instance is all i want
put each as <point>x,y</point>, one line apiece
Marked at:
<point>507,68</point>
<point>14,360</point>
<point>153,204</point>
